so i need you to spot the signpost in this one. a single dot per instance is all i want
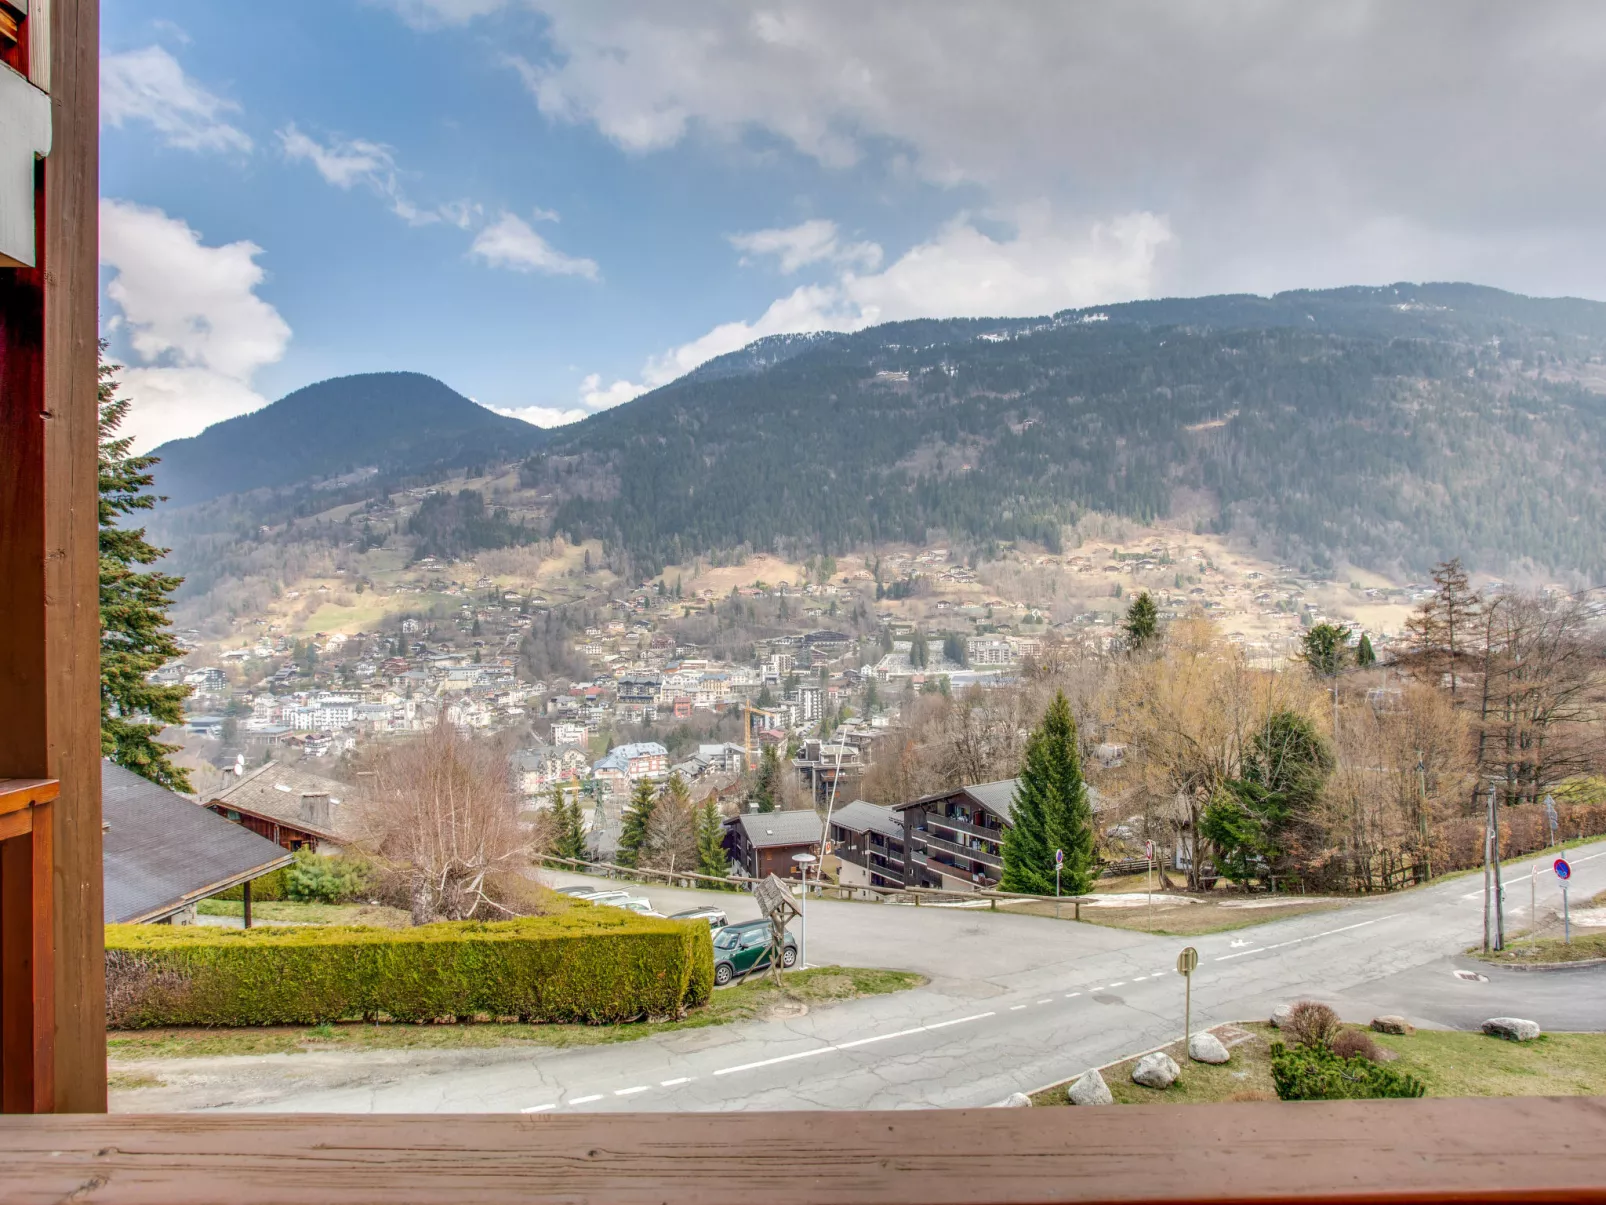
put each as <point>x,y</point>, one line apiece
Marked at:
<point>1148,882</point>
<point>1187,961</point>
<point>775,899</point>
<point>1564,871</point>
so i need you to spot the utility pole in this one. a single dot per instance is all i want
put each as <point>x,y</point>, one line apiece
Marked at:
<point>1499,886</point>
<point>1422,815</point>
<point>1486,849</point>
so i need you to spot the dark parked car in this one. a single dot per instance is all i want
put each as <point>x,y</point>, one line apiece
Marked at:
<point>714,916</point>
<point>741,948</point>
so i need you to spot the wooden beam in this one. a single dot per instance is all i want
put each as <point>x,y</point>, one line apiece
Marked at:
<point>1521,1149</point>
<point>15,824</point>
<point>27,973</point>
<point>72,550</point>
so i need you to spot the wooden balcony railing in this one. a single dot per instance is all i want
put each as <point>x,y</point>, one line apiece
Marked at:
<point>1534,1149</point>
<point>27,962</point>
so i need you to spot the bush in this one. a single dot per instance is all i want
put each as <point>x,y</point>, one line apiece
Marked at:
<point>270,888</point>
<point>1313,1024</point>
<point>323,879</point>
<point>1316,1073</point>
<point>1355,1043</point>
<point>593,965</point>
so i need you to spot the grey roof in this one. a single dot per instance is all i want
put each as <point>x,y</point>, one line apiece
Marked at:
<point>864,817</point>
<point>997,797</point>
<point>279,791</point>
<point>765,829</point>
<point>161,852</point>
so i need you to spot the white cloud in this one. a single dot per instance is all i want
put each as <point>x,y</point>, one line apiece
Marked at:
<point>357,162</point>
<point>197,330</point>
<point>509,242</point>
<point>149,85</point>
<point>545,416</point>
<point>810,242</point>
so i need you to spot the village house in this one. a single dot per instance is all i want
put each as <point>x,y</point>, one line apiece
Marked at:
<point>763,843</point>
<point>867,840</point>
<point>289,806</point>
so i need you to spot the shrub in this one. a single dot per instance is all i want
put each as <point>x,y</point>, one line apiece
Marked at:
<point>1354,1043</point>
<point>1312,1024</point>
<point>588,964</point>
<point>267,889</point>
<point>1316,1073</point>
<point>325,879</point>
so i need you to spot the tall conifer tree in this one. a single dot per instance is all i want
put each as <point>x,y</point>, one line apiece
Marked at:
<point>1051,811</point>
<point>633,837</point>
<point>136,637</point>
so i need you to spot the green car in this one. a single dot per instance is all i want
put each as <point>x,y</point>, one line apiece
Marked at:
<point>741,948</point>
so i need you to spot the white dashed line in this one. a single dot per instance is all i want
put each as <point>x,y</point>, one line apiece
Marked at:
<point>1073,995</point>
<point>538,1108</point>
<point>1122,983</point>
<point>675,1083</point>
<point>1050,1001</point>
<point>585,1100</point>
<point>633,1091</point>
<point>1015,1008</point>
<point>884,1037</point>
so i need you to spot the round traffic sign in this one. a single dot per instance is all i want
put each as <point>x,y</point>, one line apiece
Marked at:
<point>1059,857</point>
<point>1187,961</point>
<point>1563,871</point>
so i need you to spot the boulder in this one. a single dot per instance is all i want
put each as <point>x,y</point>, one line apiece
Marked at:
<point>1392,1024</point>
<point>1157,1070</point>
<point>1512,1029</point>
<point>1205,1047</point>
<point>1280,1015</point>
<point>1089,1089</point>
<point>1018,1100</point>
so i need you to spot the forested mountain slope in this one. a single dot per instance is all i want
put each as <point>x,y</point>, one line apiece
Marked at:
<point>1388,427</point>
<point>392,422</point>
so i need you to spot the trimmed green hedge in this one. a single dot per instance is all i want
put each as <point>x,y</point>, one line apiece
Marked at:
<point>589,964</point>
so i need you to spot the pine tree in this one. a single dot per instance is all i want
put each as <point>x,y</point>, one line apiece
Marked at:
<point>711,856</point>
<point>768,783</point>
<point>633,837</point>
<point>1365,657</point>
<point>1142,622</point>
<point>570,838</point>
<point>136,638</point>
<point>1050,812</point>
<point>1325,648</point>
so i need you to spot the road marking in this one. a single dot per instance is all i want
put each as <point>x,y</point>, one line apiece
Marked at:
<point>1049,1001</point>
<point>883,1037</point>
<point>585,1100</point>
<point>1310,937</point>
<point>633,1091</point>
<point>1015,1008</point>
<point>675,1083</point>
<point>1073,995</point>
<point>1240,953</point>
<point>538,1108</point>
<point>1119,983</point>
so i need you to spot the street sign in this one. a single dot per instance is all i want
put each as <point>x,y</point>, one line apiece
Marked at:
<point>1148,850</point>
<point>1059,857</point>
<point>1563,870</point>
<point>1186,962</point>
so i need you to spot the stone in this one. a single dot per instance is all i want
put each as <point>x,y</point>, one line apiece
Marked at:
<point>1512,1029</point>
<point>1205,1047</point>
<point>1280,1015</point>
<point>1392,1024</point>
<point>1157,1070</point>
<point>1089,1089</point>
<point>1018,1100</point>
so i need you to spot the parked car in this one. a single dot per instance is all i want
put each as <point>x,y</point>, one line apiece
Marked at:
<point>741,948</point>
<point>603,896</point>
<point>579,889</point>
<point>714,916</point>
<point>631,904</point>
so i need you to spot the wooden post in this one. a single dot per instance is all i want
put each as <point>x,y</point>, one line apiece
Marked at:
<point>49,569</point>
<point>246,895</point>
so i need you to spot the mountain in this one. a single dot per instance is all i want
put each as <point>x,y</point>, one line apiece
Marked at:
<point>1386,427</point>
<point>389,422</point>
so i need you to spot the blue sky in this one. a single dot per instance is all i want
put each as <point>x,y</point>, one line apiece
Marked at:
<point>554,205</point>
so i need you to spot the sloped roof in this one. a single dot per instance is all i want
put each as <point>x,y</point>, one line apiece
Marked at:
<point>997,797</point>
<point>161,852</point>
<point>765,829</point>
<point>864,817</point>
<point>276,791</point>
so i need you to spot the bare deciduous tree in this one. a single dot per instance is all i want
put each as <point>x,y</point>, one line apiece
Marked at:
<point>440,809</point>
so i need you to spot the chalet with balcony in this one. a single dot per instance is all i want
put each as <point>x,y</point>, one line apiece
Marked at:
<point>762,843</point>
<point>867,840</point>
<point>288,805</point>
<point>955,839</point>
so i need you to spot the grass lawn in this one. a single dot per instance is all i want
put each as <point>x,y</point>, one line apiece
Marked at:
<point>1586,944</point>
<point>815,987</point>
<point>1188,920</point>
<point>289,912</point>
<point>1448,1063</point>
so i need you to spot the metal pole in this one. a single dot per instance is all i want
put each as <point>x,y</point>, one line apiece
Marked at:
<point>1187,1010</point>
<point>1485,888</point>
<point>1566,917</point>
<point>1533,897</point>
<point>803,924</point>
<point>1499,884</point>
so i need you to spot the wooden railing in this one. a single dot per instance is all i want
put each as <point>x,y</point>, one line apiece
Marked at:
<point>27,948</point>
<point>1534,1149</point>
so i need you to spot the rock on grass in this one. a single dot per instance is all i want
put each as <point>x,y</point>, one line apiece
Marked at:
<point>1512,1029</point>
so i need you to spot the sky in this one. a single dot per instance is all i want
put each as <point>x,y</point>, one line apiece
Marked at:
<point>556,205</point>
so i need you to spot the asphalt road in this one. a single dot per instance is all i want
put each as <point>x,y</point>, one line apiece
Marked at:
<point>1016,1003</point>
